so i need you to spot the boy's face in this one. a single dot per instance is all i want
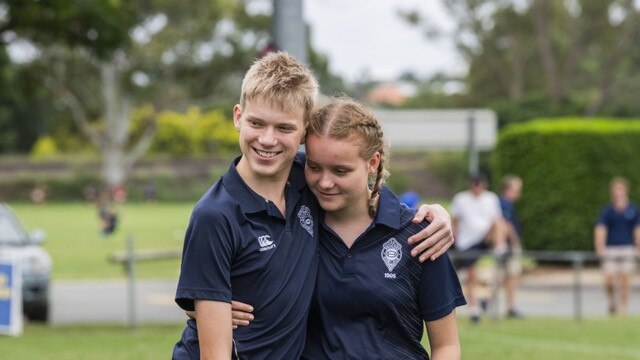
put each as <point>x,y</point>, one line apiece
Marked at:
<point>269,138</point>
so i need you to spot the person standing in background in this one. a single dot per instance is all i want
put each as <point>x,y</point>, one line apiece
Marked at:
<point>511,191</point>
<point>616,241</point>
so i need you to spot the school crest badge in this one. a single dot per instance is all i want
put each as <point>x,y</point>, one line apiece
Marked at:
<point>391,254</point>
<point>304,214</point>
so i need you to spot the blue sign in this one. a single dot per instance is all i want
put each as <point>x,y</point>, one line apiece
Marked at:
<point>6,273</point>
<point>10,298</point>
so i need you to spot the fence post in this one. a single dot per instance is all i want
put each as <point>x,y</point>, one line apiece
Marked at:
<point>131,274</point>
<point>577,286</point>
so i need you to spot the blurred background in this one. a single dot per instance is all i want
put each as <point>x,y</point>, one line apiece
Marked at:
<point>115,116</point>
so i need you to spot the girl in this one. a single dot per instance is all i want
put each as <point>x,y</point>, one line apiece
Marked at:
<point>371,296</point>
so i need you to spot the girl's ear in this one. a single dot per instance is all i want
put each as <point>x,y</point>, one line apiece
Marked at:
<point>374,162</point>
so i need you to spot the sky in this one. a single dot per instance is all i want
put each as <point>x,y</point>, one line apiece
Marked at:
<point>363,37</point>
<point>369,36</point>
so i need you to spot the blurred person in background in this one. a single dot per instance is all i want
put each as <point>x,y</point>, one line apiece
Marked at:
<point>478,226</point>
<point>617,242</point>
<point>511,191</point>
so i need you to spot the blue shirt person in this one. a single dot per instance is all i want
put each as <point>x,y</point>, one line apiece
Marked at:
<point>617,242</point>
<point>620,223</point>
<point>371,296</point>
<point>272,261</point>
<point>371,299</point>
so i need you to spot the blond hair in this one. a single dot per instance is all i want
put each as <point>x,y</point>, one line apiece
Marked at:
<point>282,81</point>
<point>344,118</point>
<point>510,181</point>
<point>619,180</point>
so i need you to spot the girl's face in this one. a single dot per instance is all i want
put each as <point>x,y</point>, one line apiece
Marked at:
<point>337,174</point>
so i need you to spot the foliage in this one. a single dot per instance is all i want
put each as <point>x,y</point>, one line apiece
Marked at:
<point>566,165</point>
<point>98,25</point>
<point>190,133</point>
<point>545,58</point>
<point>44,147</point>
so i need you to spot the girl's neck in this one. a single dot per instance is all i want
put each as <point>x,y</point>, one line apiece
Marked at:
<point>349,223</point>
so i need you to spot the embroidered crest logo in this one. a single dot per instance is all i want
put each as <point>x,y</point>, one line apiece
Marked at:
<point>391,255</point>
<point>304,214</point>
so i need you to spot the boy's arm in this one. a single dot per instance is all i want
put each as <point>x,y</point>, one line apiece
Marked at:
<point>214,329</point>
<point>600,239</point>
<point>437,237</point>
<point>512,235</point>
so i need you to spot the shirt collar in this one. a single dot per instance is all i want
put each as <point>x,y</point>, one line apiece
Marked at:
<point>249,200</point>
<point>388,209</point>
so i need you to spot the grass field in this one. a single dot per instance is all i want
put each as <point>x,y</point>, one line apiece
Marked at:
<point>80,252</point>
<point>546,339</point>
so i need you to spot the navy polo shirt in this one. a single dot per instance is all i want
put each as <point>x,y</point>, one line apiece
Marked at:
<point>238,240</point>
<point>371,300</point>
<point>509,213</point>
<point>620,224</point>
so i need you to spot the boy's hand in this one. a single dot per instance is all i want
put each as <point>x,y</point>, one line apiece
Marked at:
<point>437,237</point>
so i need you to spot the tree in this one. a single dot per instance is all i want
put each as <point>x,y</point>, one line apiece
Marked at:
<point>565,52</point>
<point>175,53</point>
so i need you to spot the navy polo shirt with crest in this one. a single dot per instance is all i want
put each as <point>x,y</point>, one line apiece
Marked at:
<point>371,299</point>
<point>238,240</point>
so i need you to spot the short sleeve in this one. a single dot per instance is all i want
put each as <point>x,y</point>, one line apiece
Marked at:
<point>440,290</point>
<point>455,206</point>
<point>636,221</point>
<point>205,273</point>
<point>497,208</point>
<point>602,217</point>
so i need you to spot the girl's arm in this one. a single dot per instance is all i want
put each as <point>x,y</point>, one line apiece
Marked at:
<point>443,338</point>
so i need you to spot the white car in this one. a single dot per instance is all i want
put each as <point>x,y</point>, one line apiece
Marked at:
<point>36,263</point>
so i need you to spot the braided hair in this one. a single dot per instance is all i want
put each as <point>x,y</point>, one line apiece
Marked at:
<point>346,118</point>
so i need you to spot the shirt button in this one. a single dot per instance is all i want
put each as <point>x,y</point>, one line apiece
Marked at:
<point>349,256</point>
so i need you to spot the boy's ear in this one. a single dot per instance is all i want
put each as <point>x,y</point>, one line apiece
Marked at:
<point>237,114</point>
<point>304,138</point>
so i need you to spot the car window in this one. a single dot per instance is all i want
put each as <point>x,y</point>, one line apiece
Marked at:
<point>10,233</point>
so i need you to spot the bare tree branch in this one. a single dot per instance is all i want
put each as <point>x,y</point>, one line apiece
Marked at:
<point>78,114</point>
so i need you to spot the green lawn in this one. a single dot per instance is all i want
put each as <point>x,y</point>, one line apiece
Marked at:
<point>562,339</point>
<point>80,252</point>
<point>529,339</point>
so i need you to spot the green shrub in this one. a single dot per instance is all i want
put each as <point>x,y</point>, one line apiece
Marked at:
<point>194,133</point>
<point>566,165</point>
<point>44,147</point>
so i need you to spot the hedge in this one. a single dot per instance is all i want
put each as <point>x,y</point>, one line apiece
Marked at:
<point>566,165</point>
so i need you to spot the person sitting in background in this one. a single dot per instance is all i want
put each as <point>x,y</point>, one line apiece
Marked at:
<point>478,226</point>
<point>616,240</point>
